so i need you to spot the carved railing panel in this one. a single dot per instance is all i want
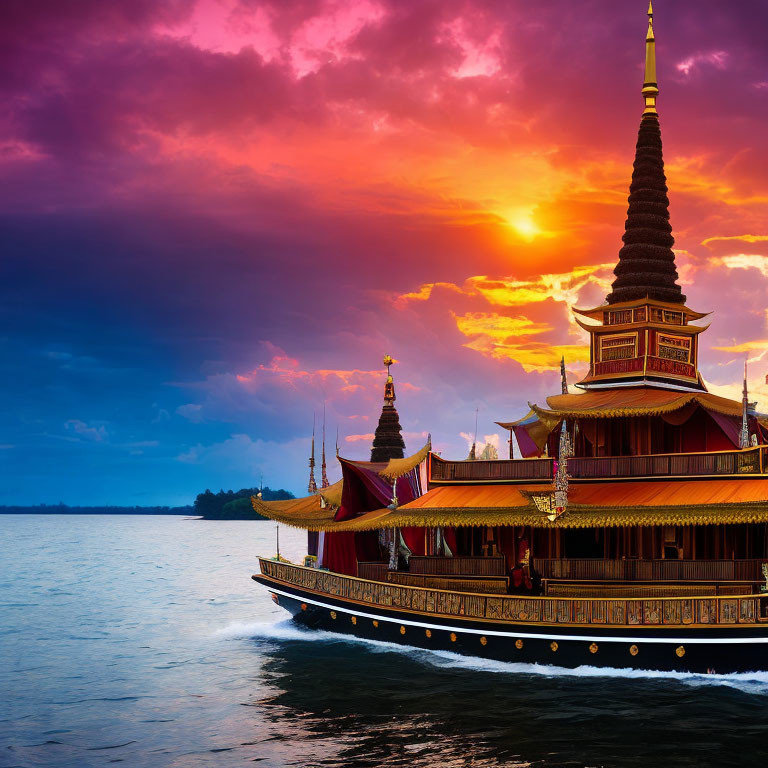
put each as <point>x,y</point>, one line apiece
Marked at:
<point>509,469</point>
<point>662,611</point>
<point>458,566</point>
<point>594,569</point>
<point>750,462</point>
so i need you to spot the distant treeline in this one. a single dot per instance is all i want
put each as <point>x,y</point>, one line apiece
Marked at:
<point>224,505</point>
<point>65,509</point>
<point>234,505</point>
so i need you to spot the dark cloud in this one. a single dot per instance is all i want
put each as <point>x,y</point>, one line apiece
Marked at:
<point>173,213</point>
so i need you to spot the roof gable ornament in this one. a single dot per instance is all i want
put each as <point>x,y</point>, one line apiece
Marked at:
<point>553,503</point>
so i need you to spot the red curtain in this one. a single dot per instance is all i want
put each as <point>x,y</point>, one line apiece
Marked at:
<point>414,540</point>
<point>367,547</point>
<point>339,553</point>
<point>450,539</point>
<point>508,545</point>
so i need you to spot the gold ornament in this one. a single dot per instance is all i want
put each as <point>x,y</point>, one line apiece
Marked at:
<point>593,648</point>
<point>303,606</point>
<point>483,641</point>
<point>402,630</point>
<point>453,637</point>
<point>554,646</point>
<point>375,623</point>
<point>428,633</point>
<point>353,619</point>
<point>634,650</point>
<point>518,643</point>
<point>333,614</point>
<point>680,651</point>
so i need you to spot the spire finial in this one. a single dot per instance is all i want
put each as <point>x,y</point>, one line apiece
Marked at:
<point>323,473</point>
<point>312,485</point>
<point>389,387</point>
<point>744,434</point>
<point>473,450</point>
<point>563,378</point>
<point>650,86</point>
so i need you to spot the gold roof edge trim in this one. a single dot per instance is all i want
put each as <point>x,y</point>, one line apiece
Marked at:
<point>399,467</point>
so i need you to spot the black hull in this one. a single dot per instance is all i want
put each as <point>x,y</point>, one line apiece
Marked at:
<point>673,649</point>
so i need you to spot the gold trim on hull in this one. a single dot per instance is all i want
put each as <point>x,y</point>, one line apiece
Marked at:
<point>722,612</point>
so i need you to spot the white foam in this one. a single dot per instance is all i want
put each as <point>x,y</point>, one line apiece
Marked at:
<point>262,630</point>
<point>748,682</point>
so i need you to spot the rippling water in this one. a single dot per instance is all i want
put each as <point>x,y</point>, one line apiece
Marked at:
<point>143,640</point>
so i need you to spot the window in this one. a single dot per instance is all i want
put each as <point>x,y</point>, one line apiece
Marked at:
<point>667,316</point>
<point>618,317</point>
<point>673,348</point>
<point>618,347</point>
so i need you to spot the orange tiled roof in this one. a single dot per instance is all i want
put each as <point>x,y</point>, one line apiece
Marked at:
<point>633,401</point>
<point>594,504</point>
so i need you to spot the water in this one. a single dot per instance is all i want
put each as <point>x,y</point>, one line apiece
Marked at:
<point>143,640</point>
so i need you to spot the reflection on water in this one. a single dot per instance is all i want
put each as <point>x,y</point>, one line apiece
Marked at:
<point>144,641</point>
<point>361,703</point>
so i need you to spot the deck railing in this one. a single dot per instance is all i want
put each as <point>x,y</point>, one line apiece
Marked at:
<point>458,566</point>
<point>505,469</point>
<point>753,461</point>
<point>588,569</point>
<point>665,611</point>
<point>374,570</point>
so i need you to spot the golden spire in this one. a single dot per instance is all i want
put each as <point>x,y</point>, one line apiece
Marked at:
<point>389,387</point>
<point>650,87</point>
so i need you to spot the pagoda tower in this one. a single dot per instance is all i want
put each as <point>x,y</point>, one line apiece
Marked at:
<point>643,335</point>
<point>388,440</point>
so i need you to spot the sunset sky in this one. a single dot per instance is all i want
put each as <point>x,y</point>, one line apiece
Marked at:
<point>219,215</point>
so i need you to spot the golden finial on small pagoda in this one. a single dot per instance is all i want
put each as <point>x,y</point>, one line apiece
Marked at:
<point>389,387</point>
<point>650,86</point>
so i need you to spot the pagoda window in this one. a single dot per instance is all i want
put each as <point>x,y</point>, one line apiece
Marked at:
<point>666,316</point>
<point>618,347</point>
<point>673,348</point>
<point>617,317</point>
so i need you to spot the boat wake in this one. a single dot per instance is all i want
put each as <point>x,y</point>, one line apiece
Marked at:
<point>286,631</point>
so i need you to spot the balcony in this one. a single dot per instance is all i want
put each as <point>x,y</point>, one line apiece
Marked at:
<point>752,461</point>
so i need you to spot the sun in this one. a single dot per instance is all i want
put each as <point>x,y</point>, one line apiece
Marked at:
<point>521,221</point>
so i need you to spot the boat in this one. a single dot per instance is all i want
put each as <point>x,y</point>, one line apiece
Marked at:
<point>631,531</point>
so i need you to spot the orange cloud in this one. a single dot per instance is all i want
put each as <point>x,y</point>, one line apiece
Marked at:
<point>508,292</point>
<point>497,336</point>
<point>368,437</point>
<point>744,238</point>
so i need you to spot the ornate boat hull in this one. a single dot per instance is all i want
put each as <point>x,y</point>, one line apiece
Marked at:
<point>731,639</point>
